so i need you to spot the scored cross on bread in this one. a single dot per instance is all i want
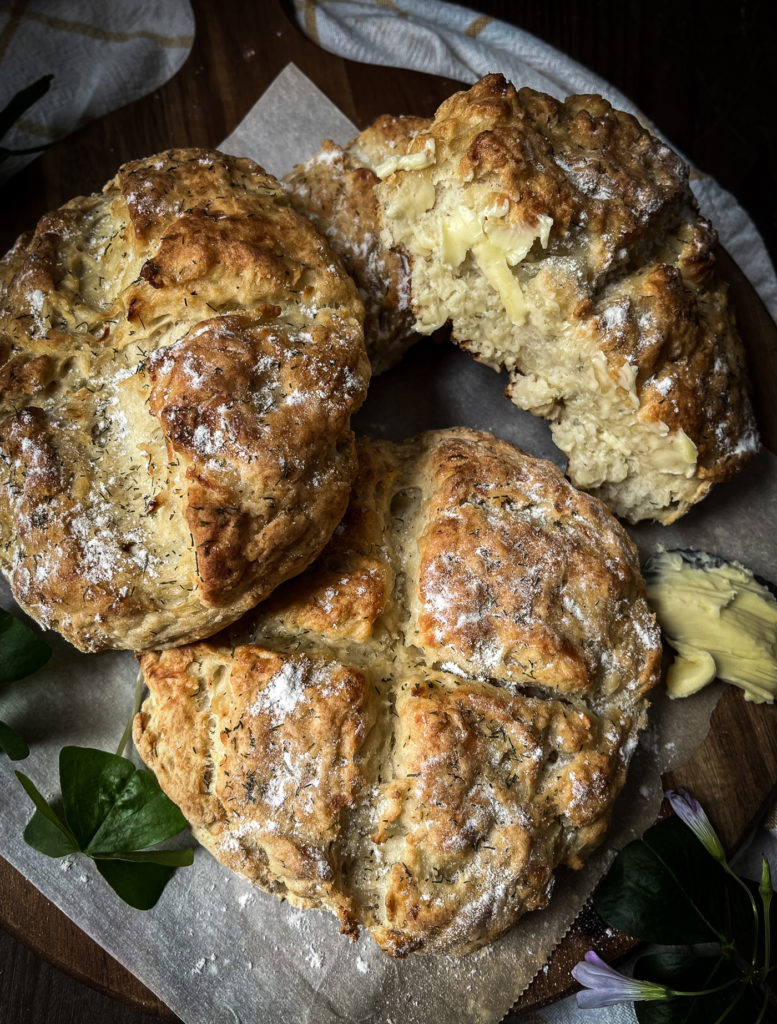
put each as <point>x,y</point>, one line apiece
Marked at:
<point>417,730</point>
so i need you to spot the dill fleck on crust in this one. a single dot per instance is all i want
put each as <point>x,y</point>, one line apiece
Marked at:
<point>180,356</point>
<point>416,731</point>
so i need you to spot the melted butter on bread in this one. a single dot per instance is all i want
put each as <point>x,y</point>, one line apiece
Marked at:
<point>605,325</point>
<point>408,162</point>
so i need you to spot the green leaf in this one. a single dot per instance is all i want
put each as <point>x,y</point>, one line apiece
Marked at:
<point>664,888</point>
<point>49,838</point>
<point>112,811</point>
<point>142,816</point>
<point>140,885</point>
<point>112,807</point>
<point>22,101</point>
<point>52,845</point>
<point>12,743</point>
<point>22,651</point>
<point>693,973</point>
<point>91,782</point>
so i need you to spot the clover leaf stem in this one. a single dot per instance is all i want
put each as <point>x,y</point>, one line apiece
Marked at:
<point>765,892</point>
<point>139,687</point>
<point>705,991</point>
<point>756,927</point>
<point>731,1005</point>
<point>762,1011</point>
<point>720,936</point>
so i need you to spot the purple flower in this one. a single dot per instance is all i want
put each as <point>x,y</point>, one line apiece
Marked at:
<point>691,812</point>
<point>604,986</point>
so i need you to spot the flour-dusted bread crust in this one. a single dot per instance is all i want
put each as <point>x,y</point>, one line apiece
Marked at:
<point>179,359</point>
<point>563,243</point>
<point>335,189</point>
<point>416,731</point>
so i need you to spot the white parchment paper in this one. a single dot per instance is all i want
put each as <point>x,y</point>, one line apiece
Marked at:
<point>216,950</point>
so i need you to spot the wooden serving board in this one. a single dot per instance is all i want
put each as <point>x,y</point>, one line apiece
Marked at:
<point>733,773</point>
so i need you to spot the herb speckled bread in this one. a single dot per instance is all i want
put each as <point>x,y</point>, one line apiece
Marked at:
<point>417,730</point>
<point>179,359</point>
<point>562,242</point>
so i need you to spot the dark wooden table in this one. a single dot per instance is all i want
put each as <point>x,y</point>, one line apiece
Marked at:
<point>706,75</point>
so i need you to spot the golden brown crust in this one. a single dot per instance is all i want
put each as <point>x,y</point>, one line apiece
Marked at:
<point>531,600</point>
<point>182,354</point>
<point>611,318</point>
<point>496,790</point>
<point>335,190</point>
<point>263,749</point>
<point>488,627</point>
<point>672,321</point>
<point>353,579</point>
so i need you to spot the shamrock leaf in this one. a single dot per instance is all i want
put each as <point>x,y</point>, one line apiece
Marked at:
<point>45,831</point>
<point>669,861</point>
<point>111,805</point>
<point>22,651</point>
<point>12,743</point>
<point>140,885</point>
<point>111,813</point>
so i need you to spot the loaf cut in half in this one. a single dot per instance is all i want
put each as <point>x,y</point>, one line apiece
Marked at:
<point>180,356</point>
<point>417,730</point>
<point>562,242</point>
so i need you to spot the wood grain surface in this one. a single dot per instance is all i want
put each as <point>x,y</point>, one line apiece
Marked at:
<point>667,57</point>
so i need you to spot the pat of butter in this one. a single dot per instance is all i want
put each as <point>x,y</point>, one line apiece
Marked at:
<point>627,378</point>
<point>496,247</point>
<point>458,234</point>
<point>720,620</point>
<point>687,450</point>
<point>517,241</point>
<point>408,162</point>
<point>406,203</point>
<point>690,672</point>
<point>491,260</point>
<point>678,456</point>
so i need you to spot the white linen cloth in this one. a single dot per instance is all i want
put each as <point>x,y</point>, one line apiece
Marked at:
<point>102,55</point>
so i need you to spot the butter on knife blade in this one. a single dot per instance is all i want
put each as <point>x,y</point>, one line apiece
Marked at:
<point>719,618</point>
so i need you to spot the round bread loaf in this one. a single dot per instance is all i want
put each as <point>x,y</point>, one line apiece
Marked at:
<point>416,731</point>
<point>180,356</point>
<point>563,243</point>
<point>336,190</point>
